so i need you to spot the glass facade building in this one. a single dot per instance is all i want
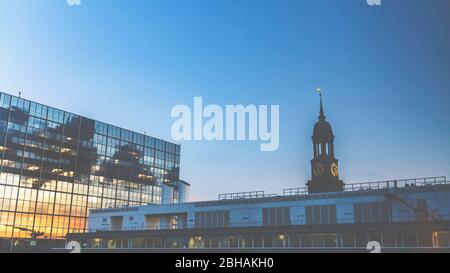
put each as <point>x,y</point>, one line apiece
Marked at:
<point>55,166</point>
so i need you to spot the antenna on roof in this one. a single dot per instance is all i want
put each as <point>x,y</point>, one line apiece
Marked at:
<point>20,94</point>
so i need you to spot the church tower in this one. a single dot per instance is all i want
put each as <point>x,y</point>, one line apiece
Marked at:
<point>324,166</point>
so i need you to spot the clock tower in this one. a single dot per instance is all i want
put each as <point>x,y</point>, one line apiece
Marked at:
<point>324,166</point>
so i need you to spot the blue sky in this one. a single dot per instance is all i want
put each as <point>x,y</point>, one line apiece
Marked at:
<point>384,71</point>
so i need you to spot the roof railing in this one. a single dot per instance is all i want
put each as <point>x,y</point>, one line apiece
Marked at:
<point>244,195</point>
<point>396,183</point>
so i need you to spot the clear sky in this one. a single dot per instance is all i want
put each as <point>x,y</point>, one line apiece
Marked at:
<point>384,71</point>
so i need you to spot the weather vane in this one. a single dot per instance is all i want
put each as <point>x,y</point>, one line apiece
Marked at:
<point>319,90</point>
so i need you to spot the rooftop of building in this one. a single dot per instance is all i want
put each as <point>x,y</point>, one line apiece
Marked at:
<point>293,194</point>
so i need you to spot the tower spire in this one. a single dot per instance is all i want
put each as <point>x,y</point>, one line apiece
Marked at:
<point>322,113</point>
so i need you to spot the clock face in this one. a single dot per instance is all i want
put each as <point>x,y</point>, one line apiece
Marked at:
<point>334,169</point>
<point>318,169</point>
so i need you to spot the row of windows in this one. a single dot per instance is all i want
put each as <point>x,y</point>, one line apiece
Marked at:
<point>19,134</point>
<point>38,166</point>
<point>212,219</point>
<point>20,110</point>
<point>10,184</point>
<point>58,198</point>
<point>137,173</point>
<point>107,146</point>
<point>321,214</point>
<point>61,160</point>
<point>35,151</point>
<point>20,225</point>
<point>276,216</point>
<point>129,136</point>
<point>376,212</point>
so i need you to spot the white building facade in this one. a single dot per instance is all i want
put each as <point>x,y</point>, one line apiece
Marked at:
<point>407,213</point>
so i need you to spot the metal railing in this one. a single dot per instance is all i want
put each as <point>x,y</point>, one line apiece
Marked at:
<point>378,185</point>
<point>398,183</point>
<point>244,195</point>
<point>295,191</point>
<point>354,187</point>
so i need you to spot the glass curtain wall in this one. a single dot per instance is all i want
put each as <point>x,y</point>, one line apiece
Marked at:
<point>55,166</point>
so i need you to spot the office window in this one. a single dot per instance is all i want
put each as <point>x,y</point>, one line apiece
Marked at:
<point>101,128</point>
<point>276,216</point>
<point>321,214</point>
<point>212,219</point>
<point>5,101</point>
<point>376,212</point>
